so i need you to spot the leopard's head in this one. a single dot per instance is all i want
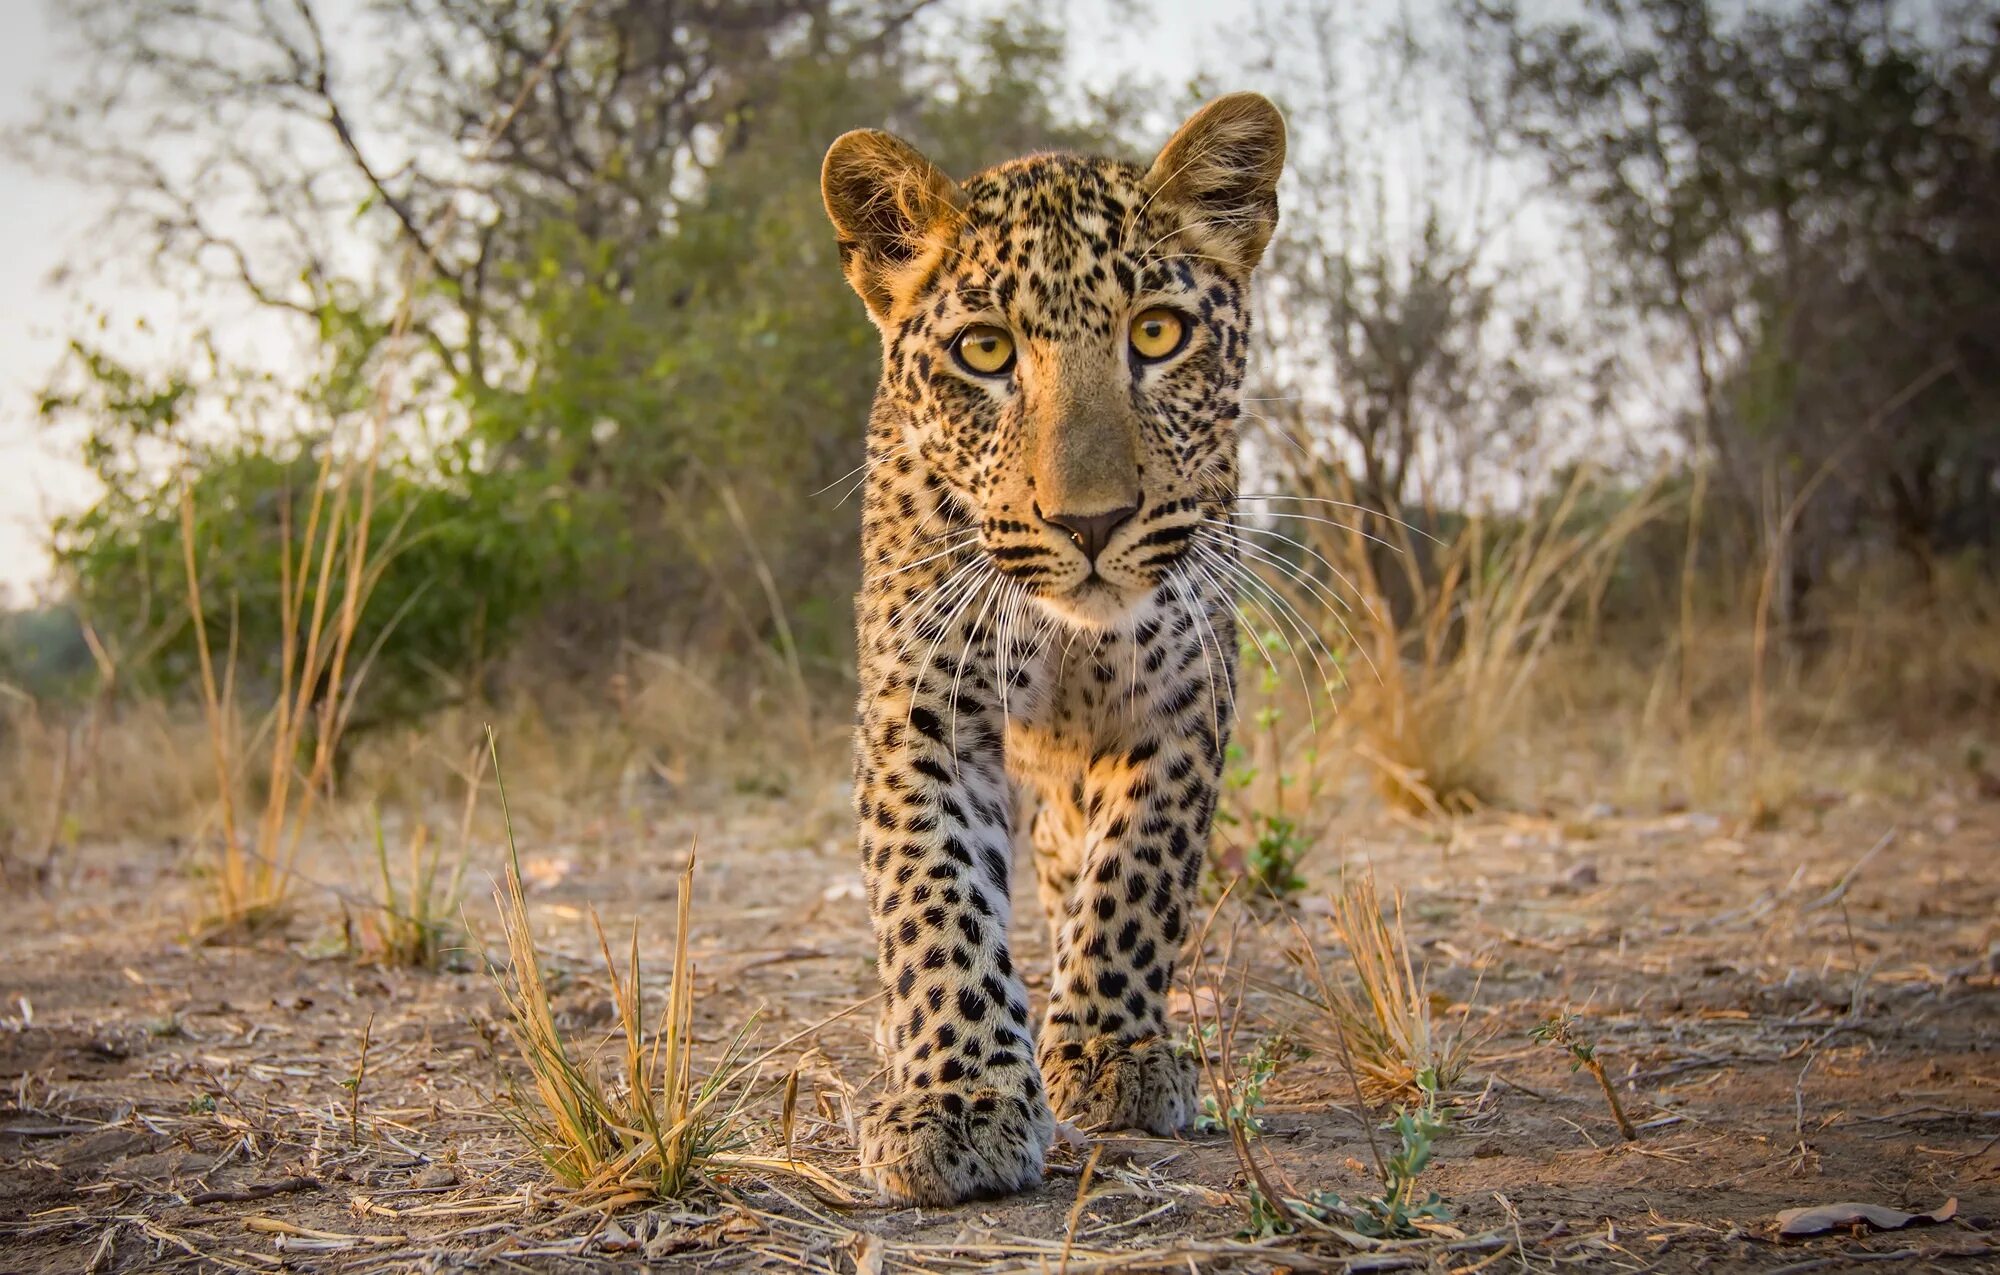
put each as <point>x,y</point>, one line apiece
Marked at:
<point>1064,339</point>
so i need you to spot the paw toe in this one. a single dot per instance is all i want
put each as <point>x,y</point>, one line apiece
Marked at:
<point>1106,1084</point>
<point>945,1147</point>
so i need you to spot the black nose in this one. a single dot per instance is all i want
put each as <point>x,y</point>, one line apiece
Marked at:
<point>1092,531</point>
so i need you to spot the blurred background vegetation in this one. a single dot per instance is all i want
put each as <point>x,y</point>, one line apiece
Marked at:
<point>1659,340</point>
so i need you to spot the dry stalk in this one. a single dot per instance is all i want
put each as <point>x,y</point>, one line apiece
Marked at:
<point>1560,1030</point>
<point>1383,1022</point>
<point>1624,1122</point>
<point>1219,1071</point>
<point>360,1076</point>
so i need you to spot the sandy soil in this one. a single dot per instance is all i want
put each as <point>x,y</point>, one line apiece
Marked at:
<point>1795,1015</point>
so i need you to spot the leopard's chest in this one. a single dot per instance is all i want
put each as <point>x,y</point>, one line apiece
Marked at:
<point>1097,696</point>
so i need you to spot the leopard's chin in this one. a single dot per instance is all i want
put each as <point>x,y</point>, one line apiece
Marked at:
<point>1097,604</point>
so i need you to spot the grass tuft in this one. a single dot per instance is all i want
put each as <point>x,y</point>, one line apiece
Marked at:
<point>416,925</point>
<point>1383,1023</point>
<point>652,1130</point>
<point>1449,665</point>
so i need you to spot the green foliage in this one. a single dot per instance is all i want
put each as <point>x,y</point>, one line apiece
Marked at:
<point>461,557</point>
<point>618,392</point>
<point>727,359</point>
<point>1246,1093</point>
<point>43,653</point>
<point>1395,1212</point>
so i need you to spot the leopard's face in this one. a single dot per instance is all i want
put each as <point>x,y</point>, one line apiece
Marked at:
<point>1069,361</point>
<point>1065,340</point>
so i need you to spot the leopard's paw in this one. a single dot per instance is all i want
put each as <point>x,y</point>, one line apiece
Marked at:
<point>943,1146</point>
<point>1102,1083</point>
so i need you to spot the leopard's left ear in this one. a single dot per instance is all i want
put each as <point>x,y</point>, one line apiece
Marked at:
<point>1223,166</point>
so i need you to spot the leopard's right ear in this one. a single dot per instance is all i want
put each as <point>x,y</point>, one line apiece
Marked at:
<point>886,202</point>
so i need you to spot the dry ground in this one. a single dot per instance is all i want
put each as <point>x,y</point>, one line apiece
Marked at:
<point>1796,1014</point>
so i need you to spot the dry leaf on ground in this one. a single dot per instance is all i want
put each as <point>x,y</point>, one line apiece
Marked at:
<point>1832,1217</point>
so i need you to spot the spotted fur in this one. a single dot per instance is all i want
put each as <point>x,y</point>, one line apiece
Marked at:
<point>1013,690</point>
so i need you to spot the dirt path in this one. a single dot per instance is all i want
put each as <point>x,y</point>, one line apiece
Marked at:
<point>1794,1016</point>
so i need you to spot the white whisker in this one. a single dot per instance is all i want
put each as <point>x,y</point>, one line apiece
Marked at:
<point>1338,504</point>
<point>971,636</point>
<point>1234,530</point>
<point>1330,522</point>
<point>912,566</point>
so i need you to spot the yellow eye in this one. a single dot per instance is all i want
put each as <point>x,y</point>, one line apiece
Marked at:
<point>984,349</point>
<point>1158,333</point>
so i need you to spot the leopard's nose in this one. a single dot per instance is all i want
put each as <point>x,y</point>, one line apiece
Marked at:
<point>1091,532</point>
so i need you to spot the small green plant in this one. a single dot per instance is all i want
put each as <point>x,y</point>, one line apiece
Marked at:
<point>1275,840</point>
<point>413,925</point>
<point>1560,1030</point>
<point>1246,1090</point>
<point>1265,1218</point>
<point>1396,1212</point>
<point>1272,860</point>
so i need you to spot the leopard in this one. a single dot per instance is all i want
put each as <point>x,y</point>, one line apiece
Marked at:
<point>1045,634</point>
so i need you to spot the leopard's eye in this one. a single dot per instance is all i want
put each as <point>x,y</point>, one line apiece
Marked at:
<point>1157,334</point>
<point>984,349</point>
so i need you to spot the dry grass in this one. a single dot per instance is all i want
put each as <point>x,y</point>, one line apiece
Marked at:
<point>652,1129</point>
<point>651,728</point>
<point>1442,685</point>
<point>649,1131</point>
<point>326,574</point>
<point>121,770</point>
<point>1384,1025</point>
<point>1893,665</point>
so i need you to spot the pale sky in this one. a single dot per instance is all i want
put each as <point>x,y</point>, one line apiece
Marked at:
<point>41,221</point>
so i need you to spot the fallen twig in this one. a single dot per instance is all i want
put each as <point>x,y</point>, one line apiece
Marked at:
<point>1833,897</point>
<point>262,1190</point>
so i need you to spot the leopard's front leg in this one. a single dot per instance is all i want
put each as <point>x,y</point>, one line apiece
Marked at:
<point>1107,1053</point>
<point>965,1115</point>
